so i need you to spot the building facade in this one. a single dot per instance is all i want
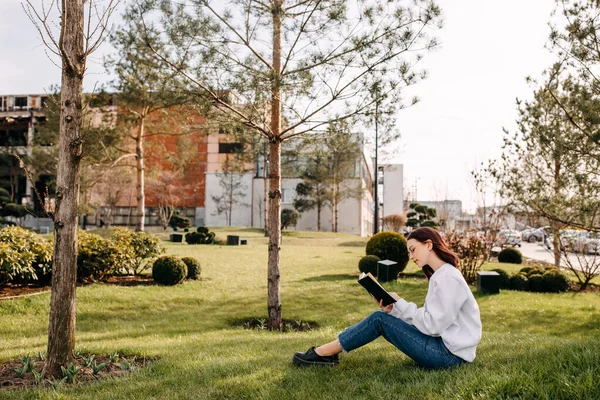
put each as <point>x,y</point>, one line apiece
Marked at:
<point>197,189</point>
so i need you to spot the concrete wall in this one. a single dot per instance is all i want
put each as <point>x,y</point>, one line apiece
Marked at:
<point>241,210</point>
<point>353,215</point>
<point>393,189</point>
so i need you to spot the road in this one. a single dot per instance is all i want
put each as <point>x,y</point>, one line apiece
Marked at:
<point>538,252</point>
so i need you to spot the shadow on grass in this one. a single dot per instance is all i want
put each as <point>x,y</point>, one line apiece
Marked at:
<point>329,278</point>
<point>353,243</point>
<point>250,230</point>
<point>417,274</point>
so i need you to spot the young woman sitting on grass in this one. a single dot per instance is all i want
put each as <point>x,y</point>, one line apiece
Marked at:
<point>443,333</point>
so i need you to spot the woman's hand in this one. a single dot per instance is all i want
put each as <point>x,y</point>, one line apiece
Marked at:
<point>388,309</point>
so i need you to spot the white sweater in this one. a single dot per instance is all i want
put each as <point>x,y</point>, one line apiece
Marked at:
<point>450,311</point>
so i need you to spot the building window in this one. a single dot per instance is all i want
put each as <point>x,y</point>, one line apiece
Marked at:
<point>228,148</point>
<point>20,101</point>
<point>13,137</point>
<point>287,195</point>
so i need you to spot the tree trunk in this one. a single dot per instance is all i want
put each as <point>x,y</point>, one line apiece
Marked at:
<point>336,203</point>
<point>230,201</point>
<point>61,329</point>
<point>140,194</point>
<point>319,217</point>
<point>266,196</point>
<point>557,250</point>
<point>274,298</point>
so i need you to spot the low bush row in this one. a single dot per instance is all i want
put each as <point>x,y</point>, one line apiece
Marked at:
<point>535,279</point>
<point>26,257</point>
<point>201,236</point>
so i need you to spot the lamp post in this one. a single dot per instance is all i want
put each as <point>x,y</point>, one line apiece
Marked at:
<point>376,173</point>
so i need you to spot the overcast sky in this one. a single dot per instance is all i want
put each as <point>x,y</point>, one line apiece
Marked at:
<point>487,51</point>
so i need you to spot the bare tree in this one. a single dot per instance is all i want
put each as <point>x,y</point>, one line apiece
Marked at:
<point>394,222</point>
<point>296,66</point>
<point>584,266</point>
<point>168,192</point>
<point>147,87</point>
<point>82,30</point>
<point>233,188</point>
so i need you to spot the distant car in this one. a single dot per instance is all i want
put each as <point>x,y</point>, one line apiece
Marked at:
<point>508,238</point>
<point>586,242</point>
<point>532,235</point>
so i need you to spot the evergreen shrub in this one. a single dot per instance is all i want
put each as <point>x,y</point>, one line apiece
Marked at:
<point>504,278</point>
<point>201,236</point>
<point>169,270</point>
<point>510,255</point>
<point>368,264</point>
<point>389,246</point>
<point>536,283</point>
<point>193,267</point>
<point>519,282</point>
<point>179,221</point>
<point>555,282</point>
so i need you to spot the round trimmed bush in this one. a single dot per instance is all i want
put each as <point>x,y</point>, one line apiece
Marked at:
<point>389,246</point>
<point>169,270</point>
<point>193,267</point>
<point>535,271</point>
<point>519,282</point>
<point>555,282</point>
<point>368,264</point>
<point>504,278</point>
<point>536,283</point>
<point>510,255</point>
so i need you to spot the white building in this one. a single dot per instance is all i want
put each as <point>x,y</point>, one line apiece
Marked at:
<point>392,189</point>
<point>354,214</point>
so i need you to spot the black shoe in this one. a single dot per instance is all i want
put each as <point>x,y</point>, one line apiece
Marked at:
<point>310,357</point>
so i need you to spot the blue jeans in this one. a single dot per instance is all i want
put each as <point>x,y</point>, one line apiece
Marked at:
<point>425,350</point>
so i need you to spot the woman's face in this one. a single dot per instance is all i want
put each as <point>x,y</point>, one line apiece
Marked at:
<point>418,252</point>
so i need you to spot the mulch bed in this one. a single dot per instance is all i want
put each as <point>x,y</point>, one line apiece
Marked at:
<point>9,378</point>
<point>12,290</point>
<point>137,280</point>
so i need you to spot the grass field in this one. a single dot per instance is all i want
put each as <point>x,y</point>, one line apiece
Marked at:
<point>534,346</point>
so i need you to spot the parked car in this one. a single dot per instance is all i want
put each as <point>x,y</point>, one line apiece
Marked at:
<point>507,237</point>
<point>586,242</point>
<point>532,235</point>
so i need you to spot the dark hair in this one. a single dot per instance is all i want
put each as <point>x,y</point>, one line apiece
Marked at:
<point>439,246</point>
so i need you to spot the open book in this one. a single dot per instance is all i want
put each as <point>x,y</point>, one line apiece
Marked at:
<point>369,282</point>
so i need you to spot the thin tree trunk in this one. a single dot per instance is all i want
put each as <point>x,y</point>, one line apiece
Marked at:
<point>556,246</point>
<point>319,217</point>
<point>61,329</point>
<point>266,194</point>
<point>336,199</point>
<point>333,205</point>
<point>230,200</point>
<point>140,169</point>
<point>557,250</point>
<point>274,299</point>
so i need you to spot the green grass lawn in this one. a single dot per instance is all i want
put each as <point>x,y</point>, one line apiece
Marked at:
<point>534,345</point>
